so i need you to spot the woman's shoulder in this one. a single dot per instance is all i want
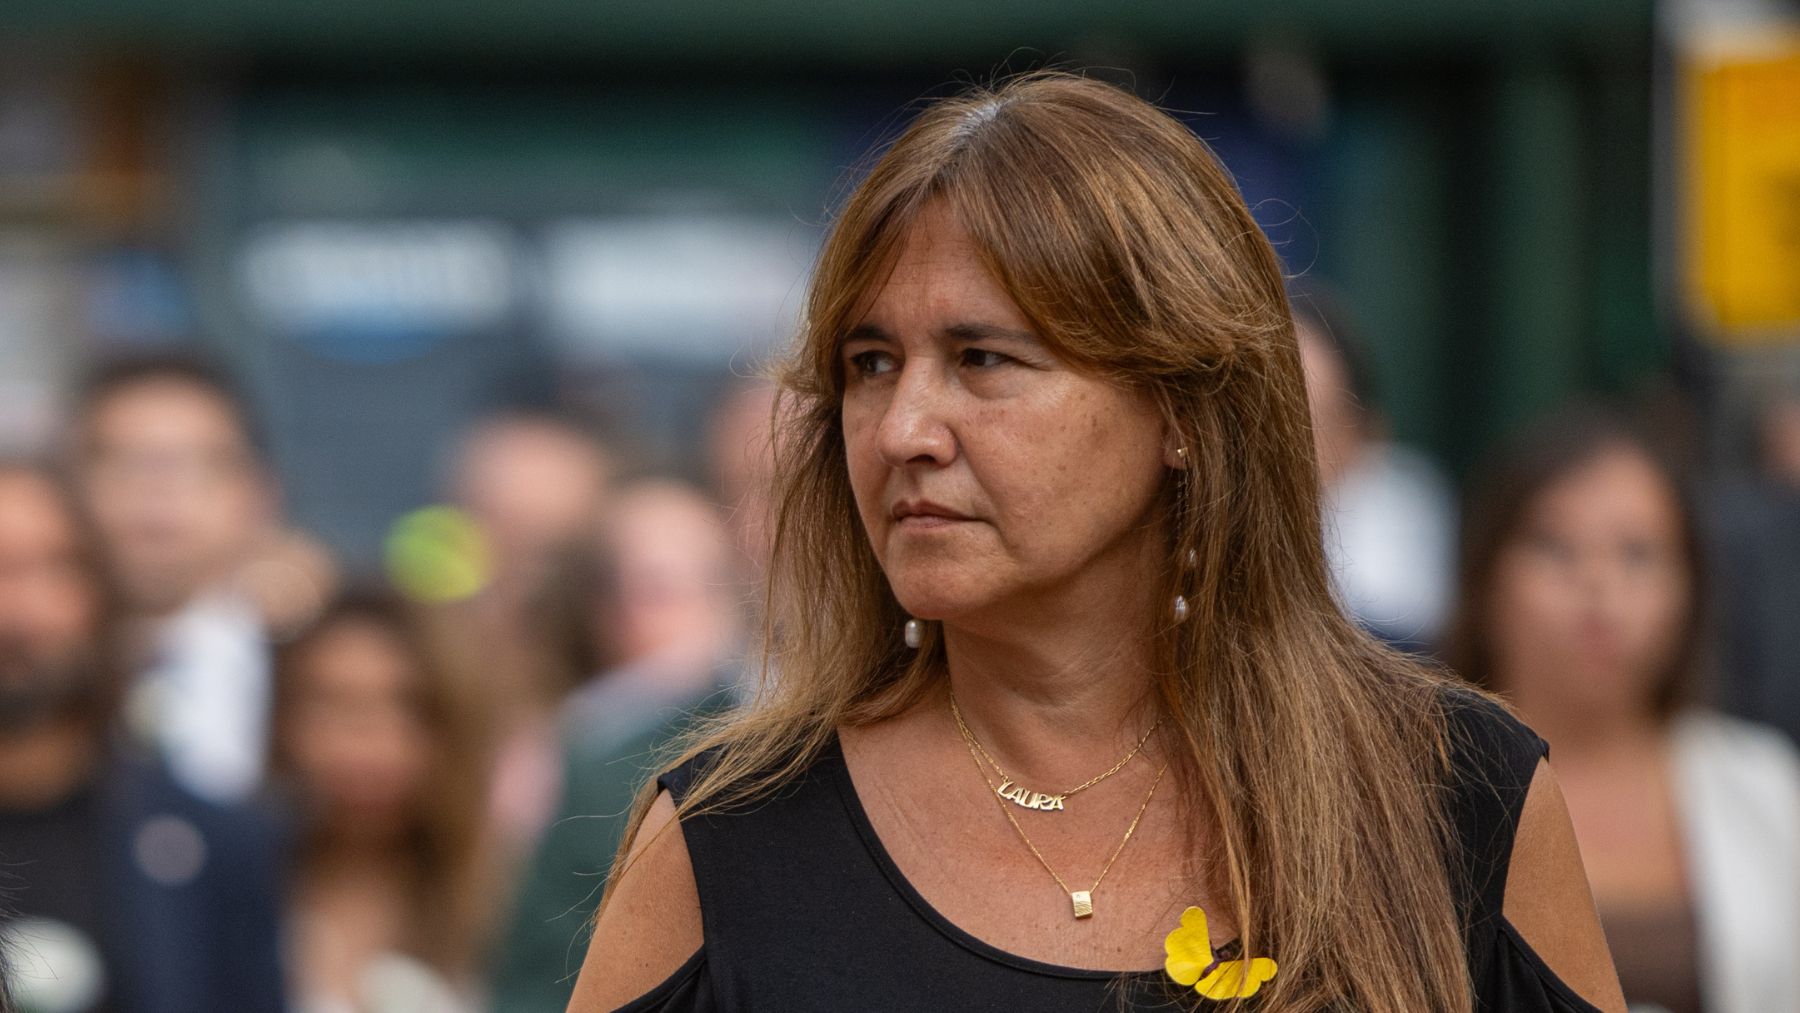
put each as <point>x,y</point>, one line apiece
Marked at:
<point>1488,747</point>
<point>679,779</point>
<point>733,776</point>
<point>1486,719</point>
<point>1492,758</point>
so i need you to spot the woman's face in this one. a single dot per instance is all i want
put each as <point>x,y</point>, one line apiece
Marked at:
<point>359,746</point>
<point>1591,595</point>
<point>988,472</point>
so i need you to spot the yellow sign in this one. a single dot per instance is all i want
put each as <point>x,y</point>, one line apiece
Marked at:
<point>1743,191</point>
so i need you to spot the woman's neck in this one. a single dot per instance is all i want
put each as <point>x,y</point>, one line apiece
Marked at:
<point>1054,700</point>
<point>1578,731</point>
<point>1061,679</point>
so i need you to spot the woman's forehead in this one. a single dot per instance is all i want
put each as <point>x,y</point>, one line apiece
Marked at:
<point>938,271</point>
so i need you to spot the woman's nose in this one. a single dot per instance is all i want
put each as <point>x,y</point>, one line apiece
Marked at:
<point>1604,581</point>
<point>915,427</point>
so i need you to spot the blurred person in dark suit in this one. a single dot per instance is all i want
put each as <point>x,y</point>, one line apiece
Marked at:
<point>1390,515</point>
<point>171,464</point>
<point>1756,523</point>
<point>535,483</point>
<point>1583,601</point>
<point>661,593</point>
<point>125,893</point>
<point>383,743</point>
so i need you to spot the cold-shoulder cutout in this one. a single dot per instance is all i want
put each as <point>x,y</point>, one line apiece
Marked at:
<point>1547,900</point>
<point>650,930</point>
<point>802,914</point>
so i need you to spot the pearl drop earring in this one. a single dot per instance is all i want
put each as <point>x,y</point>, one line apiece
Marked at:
<point>1181,609</point>
<point>914,633</point>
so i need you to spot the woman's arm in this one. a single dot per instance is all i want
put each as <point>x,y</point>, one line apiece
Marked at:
<point>651,924</point>
<point>1548,900</point>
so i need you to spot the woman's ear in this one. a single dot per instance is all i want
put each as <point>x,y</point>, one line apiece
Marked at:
<point>1175,450</point>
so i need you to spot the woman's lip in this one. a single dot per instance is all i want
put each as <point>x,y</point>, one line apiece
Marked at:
<point>909,509</point>
<point>929,521</point>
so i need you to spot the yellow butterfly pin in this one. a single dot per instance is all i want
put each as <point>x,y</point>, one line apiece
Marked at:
<point>1191,961</point>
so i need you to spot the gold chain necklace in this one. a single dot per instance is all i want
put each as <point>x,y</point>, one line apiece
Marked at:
<point>1012,792</point>
<point>1081,900</point>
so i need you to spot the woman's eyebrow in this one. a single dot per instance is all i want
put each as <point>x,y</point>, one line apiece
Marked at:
<point>864,332</point>
<point>987,332</point>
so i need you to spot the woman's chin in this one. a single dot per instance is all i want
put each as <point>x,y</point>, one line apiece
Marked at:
<point>937,605</point>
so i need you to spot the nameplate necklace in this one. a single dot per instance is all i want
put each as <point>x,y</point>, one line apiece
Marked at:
<point>1041,801</point>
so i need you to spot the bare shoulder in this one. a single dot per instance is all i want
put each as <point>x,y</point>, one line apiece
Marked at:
<point>651,924</point>
<point>1548,901</point>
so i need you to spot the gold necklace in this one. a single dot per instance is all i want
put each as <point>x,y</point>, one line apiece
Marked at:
<point>1012,792</point>
<point>1081,900</point>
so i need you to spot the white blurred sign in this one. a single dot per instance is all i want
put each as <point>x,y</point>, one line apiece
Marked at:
<point>689,286</point>
<point>380,291</point>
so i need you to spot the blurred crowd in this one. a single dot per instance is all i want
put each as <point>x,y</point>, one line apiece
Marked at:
<point>235,774</point>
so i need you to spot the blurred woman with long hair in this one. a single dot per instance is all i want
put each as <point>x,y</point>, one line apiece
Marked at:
<point>384,747</point>
<point>1066,715</point>
<point>1583,601</point>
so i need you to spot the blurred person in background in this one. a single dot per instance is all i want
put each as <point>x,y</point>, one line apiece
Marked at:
<point>1582,602</point>
<point>740,454</point>
<point>673,619</point>
<point>172,466</point>
<point>535,483</point>
<point>662,593</point>
<point>1389,514</point>
<point>1756,524</point>
<point>124,893</point>
<point>382,744</point>
<point>1779,441</point>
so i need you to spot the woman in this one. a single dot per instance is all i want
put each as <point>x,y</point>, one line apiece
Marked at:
<point>386,756</point>
<point>1582,603</point>
<point>1063,691</point>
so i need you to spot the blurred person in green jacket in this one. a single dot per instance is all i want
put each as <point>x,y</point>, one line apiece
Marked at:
<point>661,593</point>
<point>610,748</point>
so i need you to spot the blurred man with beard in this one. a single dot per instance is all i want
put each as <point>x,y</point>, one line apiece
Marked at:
<point>122,892</point>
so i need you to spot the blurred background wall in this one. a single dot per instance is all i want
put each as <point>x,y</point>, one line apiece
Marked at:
<point>394,216</point>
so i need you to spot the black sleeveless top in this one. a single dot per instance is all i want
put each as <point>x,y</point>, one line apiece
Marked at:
<point>803,911</point>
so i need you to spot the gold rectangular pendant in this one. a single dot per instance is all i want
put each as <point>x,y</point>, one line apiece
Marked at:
<point>1083,901</point>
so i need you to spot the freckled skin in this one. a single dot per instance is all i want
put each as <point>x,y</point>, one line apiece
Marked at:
<point>1058,470</point>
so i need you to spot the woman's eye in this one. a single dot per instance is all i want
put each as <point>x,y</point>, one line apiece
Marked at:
<point>981,358</point>
<point>1552,548</point>
<point>1640,555</point>
<point>871,363</point>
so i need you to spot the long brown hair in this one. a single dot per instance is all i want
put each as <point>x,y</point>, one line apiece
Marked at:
<point>1543,455</point>
<point>452,882</point>
<point>1312,755</point>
